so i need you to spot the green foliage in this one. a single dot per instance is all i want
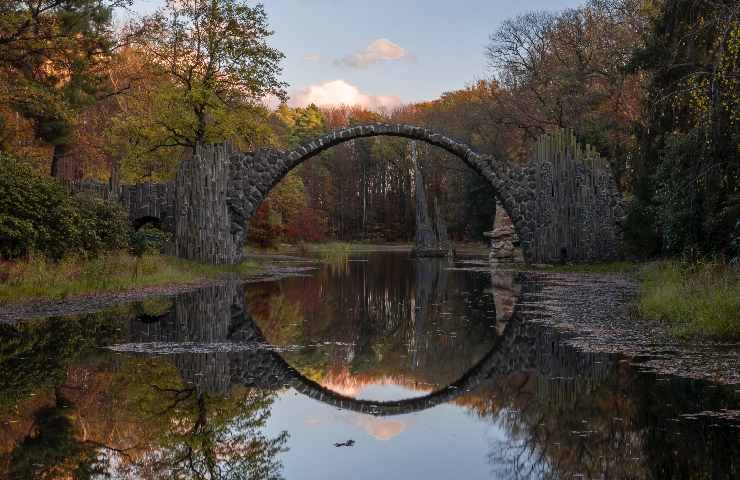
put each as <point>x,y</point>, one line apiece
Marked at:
<point>147,240</point>
<point>52,55</point>
<point>640,232</point>
<point>735,244</point>
<point>39,215</point>
<point>688,152</point>
<point>103,225</point>
<point>695,299</point>
<point>209,67</point>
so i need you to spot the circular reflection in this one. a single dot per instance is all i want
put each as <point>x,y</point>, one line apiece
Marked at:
<point>422,339</point>
<point>385,327</point>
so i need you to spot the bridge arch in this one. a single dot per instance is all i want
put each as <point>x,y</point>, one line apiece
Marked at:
<point>255,175</point>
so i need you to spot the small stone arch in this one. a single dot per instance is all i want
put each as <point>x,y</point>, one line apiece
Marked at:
<point>140,222</point>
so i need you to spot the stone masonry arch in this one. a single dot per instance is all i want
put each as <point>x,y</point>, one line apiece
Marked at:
<point>253,176</point>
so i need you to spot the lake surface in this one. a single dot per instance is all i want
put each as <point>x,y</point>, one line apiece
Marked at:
<point>373,366</point>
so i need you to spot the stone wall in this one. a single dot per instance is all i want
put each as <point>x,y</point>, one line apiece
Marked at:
<point>150,200</point>
<point>578,208</point>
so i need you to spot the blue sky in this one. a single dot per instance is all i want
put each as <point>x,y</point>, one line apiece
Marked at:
<point>381,52</point>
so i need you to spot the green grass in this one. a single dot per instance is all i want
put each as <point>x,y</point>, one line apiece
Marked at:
<point>606,267</point>
<point>117,271</point>
<point>696,299</point>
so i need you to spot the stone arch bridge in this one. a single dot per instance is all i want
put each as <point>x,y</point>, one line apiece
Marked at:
<point>554,205</point>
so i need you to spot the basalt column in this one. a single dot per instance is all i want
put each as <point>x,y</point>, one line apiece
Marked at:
<point>202,220</point>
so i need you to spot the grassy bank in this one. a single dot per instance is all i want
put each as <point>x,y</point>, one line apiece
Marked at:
<point>117,271</point>
<point>606,267</point>
<point>696,299</point>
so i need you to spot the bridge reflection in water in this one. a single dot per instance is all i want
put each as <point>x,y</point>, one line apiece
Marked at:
<point>567,412</point>
<point>442,368</point>
<point>216,343</point>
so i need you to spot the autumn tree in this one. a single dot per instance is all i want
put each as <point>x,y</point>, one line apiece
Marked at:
<point>569,70</point>
<point>213,67</point>
<point>52,63</point>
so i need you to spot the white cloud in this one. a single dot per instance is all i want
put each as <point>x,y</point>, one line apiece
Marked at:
<point>314,57</point>
<point>339,92</point>
<point>379,50</point>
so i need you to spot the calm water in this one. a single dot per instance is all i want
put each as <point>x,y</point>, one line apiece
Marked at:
<point>379,366</point>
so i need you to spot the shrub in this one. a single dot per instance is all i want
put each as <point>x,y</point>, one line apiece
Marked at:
<point>39,215</point>
<point>147,239</point>
<point>103,225</point>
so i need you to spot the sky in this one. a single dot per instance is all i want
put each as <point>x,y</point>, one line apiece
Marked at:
<point>382,53</point>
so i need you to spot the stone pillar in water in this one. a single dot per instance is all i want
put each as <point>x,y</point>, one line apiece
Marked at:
<point>504,240</point>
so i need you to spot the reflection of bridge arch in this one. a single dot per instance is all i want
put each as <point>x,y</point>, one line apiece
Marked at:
<point>216,344</point>
<point>238,353</point>
<point>505,357</point>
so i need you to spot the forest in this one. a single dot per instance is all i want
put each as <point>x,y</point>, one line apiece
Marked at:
<point>651,84</point>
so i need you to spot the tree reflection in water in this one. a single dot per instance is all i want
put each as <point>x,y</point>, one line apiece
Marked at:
<point>389,318</point>
<point>593,415</point>
<point>101,415</point>
<point>210,437</point>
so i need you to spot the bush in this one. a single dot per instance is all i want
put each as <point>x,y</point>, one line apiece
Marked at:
<point>147,239</point>
<point>103,225</point>
<point>39,215</point>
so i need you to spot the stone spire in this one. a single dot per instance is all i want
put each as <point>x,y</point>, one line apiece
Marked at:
<point>431,237</point>
<point>425,238</point>
<point>443,241</point>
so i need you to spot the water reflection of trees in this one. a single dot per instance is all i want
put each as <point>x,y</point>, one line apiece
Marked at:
<point>586,415</point>
<point>75,411</point>
<point>52,450</point>
<point>389,317</point>
<point>207,437</point>
<point>92,414</point>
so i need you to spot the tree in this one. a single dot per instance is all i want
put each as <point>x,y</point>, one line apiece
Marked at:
<point>569,70</point>
<point>52,59</point>
<point>688,170</point>
<point>212,68</point>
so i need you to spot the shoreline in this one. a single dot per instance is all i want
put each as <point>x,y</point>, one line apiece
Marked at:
<point>598,316</point>
<point>35,308</point>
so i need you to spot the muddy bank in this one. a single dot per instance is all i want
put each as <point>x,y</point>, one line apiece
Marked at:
<point>595,313</point>
<point>281,267</point>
